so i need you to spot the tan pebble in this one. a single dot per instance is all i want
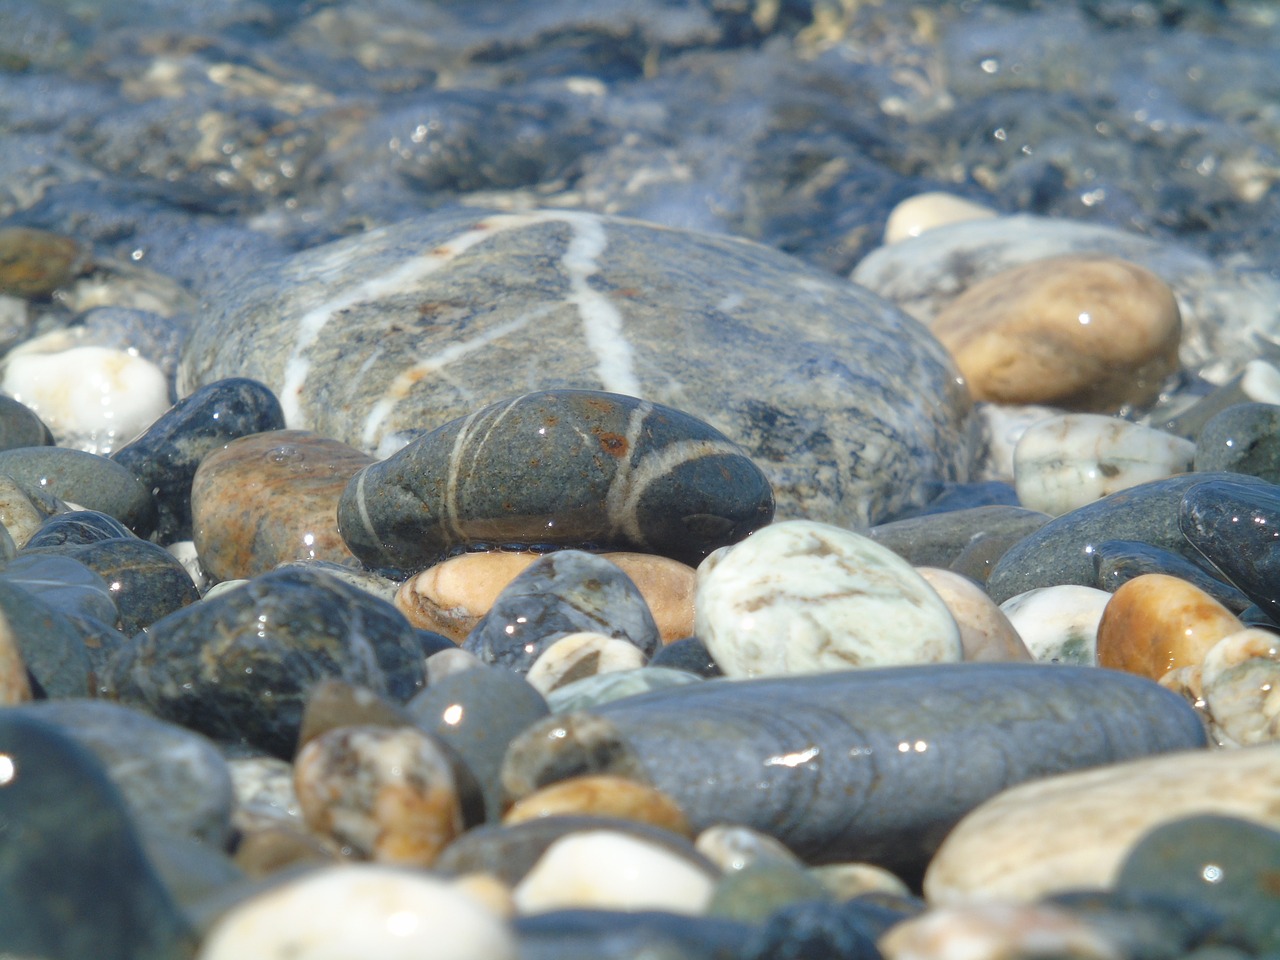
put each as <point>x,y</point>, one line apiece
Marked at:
<point>333,703</point>
<point>14,686</point>
<point>1155,623</point>
<point>274,848</point>
<point>996,931</point>
<point>985,632</point>
<point>914,215</point>
<point>849,880</point>
<point>1074,830</point>
<point>601,795</point>
<point>489,891</point>
<point>268,498</point>
<point>581,655</point>
<point>19,514</point>
<point>34,263</point>
<point>1241,678</point>
<point>1088,333</point>
<point>389,794</point>
<point>452,596</point>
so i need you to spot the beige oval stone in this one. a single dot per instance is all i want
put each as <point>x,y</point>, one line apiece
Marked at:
<point>452,596</point>
<point>1074,830</point>
<point>985,632</point>
<point>581,655</point>
<point>849,880</point>
<point>14,686</point>
<point>1156,623</point>
<point>924,211</point>
<point>602,795</point>
<point>997,931</point>
<point>1088,333</point>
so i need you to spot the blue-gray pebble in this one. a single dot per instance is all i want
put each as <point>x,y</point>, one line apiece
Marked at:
<point>562,593</point>
<point>20,426</point>
<point>93,482</point>
<point>1116,562</point>
<point>1236,526</point>
<point>567,468</point>
<point>76,527</point>
<point>1244,438</point>
<point>50,645</point>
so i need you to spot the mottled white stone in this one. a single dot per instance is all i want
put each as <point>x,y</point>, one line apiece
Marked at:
<point>609,870</point>
<point>805,597</point>
<point>444,662</point>
<point>996,931</point>
<point>1059,624</point>
<point>1073,459</point>
<point>263,789</point>
<point>184,551</point>
<point>1004,426</point>
<point>375,913</point>
<point>1074,830</point>
<point>1240,678</point>
<point>914,215</point>
<point>581,655</point>
<point>93,398</point>
<point>985,632</point>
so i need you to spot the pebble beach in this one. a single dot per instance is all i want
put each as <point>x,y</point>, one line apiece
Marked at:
<point>697,480</point>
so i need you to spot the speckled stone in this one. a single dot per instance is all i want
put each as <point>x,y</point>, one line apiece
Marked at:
<point>1081,332</point>
<point>601,795</point>
<point>71,850</point>
<point>847,405</point>
<point>268,498</point>
<point>165,457</point>
<point>985,631</point>
<point>581,655</point>
<point>1002,850</point>
<point>997,931</point>
<point>970,542</point>
<point>567,468</point>
<point>20,426</point>
<point>1244,438</point>
<point>238,667</point>
<point>902,752</point>
<point>1059,624</point>
<point>801,597</point>
<point>49,644</point>
<point>562,593</point>
<point>1116,562</point>
<point>1074,459</point>
<point>374,912</point>
<point>387,793</point>
<point>1235,526</point>
<point>1061,551</point>
<point>34,263</point>
<point>1224,863</point>
<point>1157,623</point>
<point>91,481</point>
<point>606,687</point>
<point>1240,683</point>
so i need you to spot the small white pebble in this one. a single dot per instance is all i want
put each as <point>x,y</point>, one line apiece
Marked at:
<point>1059,624</point>
<point>914,215</point>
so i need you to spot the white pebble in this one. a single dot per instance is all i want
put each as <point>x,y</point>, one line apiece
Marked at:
<point>609,870</point>
<point>1059,624</point>
<point>1068,461</point>
<point>804,597</point>
<point>93,398</point>
<point>371,912</point>
<point>914,215</point>
<point>1240,678</point>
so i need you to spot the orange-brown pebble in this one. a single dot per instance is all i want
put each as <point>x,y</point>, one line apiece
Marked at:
<point>602,795</point>
<point>452,596</point>
<point>1085,333</point>
<point>985,631</point>
<point>14,687</point>
<point>1157,623</point>
<point>269,498</point>
<point>34,263</point>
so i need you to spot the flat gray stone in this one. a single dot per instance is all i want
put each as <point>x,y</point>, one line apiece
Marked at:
<point>849,407</point>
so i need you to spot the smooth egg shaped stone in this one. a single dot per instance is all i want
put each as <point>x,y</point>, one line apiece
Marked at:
<point>803,597</point>
<point>1243,438</point>
<point>1236,527</point>
<point>94,482</point>
<point>1065,462</point>
<point>569,468</point>
<point>872,765</point>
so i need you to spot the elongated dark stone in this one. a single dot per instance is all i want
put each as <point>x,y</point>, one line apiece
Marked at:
<point>1236,526</point>
<point>1116,562</point>
<point>871,765</point>
<point>565,468</point>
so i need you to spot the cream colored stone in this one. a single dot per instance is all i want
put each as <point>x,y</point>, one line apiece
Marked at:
<point>803,597</point>
<point>1071,460</point>
<point>1080,332</point>
<point>924,211</point>
<point>997,931</point>
<point>14,686</point>
<point>1059,624</point>
<point>849,880</point>
<point>733,847</point>
<point>443,663</point>
<point>985,631</point>
<point>581,655</point>
<point>1074,830</point>
<point>601,795</point>
<point>609,870</point>
<point>1241,680</point>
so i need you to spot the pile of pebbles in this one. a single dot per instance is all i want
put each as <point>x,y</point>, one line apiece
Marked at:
<point>559,485</point>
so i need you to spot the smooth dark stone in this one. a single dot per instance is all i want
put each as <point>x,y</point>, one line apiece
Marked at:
<point>1144,926</point>
<point>101,641</point>
<point>1244,438</point>
<point>637,935</point>
<point>94,482</point>
<point>812,929</point>
<point>689,654</point>
<point>432,642</point>
<point>570,468</point>
<point>333,703</point>
<point>1062,550</point>
<point>966,541</point>
<point>1236,527</point>
<point>763,887</point>
<point>166,456</point>
<point>75,880</point>
<point>50,645</point>
<point>20,426</point>
<point>966,496</point>
<point>237,667</point>
<point>477,713</point>
<point>63,582</point>
<point>1254,616</point>
<point>1222,863</point>
<point>171,778</point>
<point>871,765</point>
<point>147,582</point>
<point>562,593</point>
<point>76,527</point>
<point>1116,562</point>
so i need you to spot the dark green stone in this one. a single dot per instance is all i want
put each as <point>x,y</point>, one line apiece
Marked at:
<point>94,482</point>
<point>1244,438</point>
<point>1236,527</point>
